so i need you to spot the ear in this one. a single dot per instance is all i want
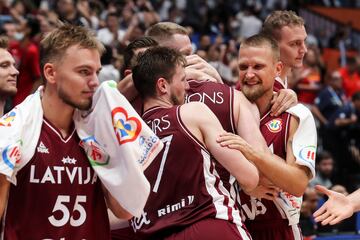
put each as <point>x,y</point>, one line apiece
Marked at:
<point>278,68</point>
<point>162,85</point>
<point>127,72</point>
<point>49,73</point>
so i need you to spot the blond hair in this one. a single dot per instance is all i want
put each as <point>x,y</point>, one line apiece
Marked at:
<point>163,31</point>
<point>55,43</point>
<point>279,19</point>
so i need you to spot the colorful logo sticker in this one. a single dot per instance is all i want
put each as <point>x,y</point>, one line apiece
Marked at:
<point>126,128</point>
<point>274,125</point>
<point>94,152</point>
<point>7,119</point>
<point>308,153</point>
<point>11,155</point>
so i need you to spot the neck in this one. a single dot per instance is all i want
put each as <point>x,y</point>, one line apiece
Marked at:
<point>264,103</point>
<point>57,112</point>
<point>2,105</point>
<point>284,73</point>
<point>157,102</point>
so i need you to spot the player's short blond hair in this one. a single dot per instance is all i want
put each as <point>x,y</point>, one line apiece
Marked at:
<point>259,40</point>
<point>55,43</point>
<point>279,19</point>
<point>163,31</point>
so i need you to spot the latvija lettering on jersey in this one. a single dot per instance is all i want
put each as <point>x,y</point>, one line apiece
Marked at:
<point>59,174</point>
<point>159,124</point>
<point>216,98</point>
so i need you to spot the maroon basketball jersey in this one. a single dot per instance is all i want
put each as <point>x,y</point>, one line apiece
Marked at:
<point>275,131</point>
<point>218,97</point>
<point>58,195</point>
<point>278,84</point>
<point>138,105</point>
<point>185,186</point>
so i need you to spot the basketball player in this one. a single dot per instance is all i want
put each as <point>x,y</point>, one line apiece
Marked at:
<point>58,195</point>
<point>288,30</point>
<point>8,74</point>
<point>188,199</point>
<point>288,169</point>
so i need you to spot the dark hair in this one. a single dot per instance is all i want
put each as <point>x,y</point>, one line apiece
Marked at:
<point>155,63</point>
<point>355,96</point>
<point>129,52</point>
<point>33,24</point>
<point>4,42</point>
<point>261,39</point>
<point>323,155</point>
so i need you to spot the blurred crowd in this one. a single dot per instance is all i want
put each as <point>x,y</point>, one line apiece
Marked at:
<point>217,28</point>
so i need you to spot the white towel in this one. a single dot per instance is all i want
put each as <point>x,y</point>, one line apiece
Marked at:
<point>304,149</point>
<point>118,142</point>
<point>20,130</point>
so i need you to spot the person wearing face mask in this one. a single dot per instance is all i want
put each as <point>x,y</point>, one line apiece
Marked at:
<point>26,54</point>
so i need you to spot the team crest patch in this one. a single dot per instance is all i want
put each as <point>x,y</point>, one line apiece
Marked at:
<point>126,128</point>
<point>7,119</point>
<point>274,125</point>
<point>94,152</point>
<point>308,153</point>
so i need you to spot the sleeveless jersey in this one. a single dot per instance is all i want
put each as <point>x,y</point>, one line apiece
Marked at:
<point>57,195</point>
<point>275,131</point>
<point>278,84</point>
<point>220,99</point>
<point>185,186</point>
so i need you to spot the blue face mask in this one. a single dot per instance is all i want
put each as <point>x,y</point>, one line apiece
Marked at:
<point>19,36</point>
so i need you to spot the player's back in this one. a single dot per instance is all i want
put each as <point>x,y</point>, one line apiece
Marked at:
<point>58,195</point>
<point>185,187</point>
<point>218,97</point>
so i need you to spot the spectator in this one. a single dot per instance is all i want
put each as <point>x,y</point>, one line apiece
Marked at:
<point>108,71</point>
<point>351,76</point>
<point>26,54</point>
<point>324,170</point>
<point>308,207</point>
<point>111,34</point>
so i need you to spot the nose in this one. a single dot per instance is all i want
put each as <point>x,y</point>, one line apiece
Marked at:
<point>94,82</point>
<point>303,48</point>
<point>14,71</point>
<point>249,73</point>
<point>187,86</point>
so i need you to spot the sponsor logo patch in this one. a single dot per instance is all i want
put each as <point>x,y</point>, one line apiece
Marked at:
<point>126,128</point>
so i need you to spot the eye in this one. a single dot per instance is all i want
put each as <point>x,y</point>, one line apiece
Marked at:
<point>243,67</point>
<point>5,65</point>
<point>258,66</point>
<point>84,72</point>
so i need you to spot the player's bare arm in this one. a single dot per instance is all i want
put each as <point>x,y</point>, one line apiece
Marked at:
<point>196,62</point>
<point>114,206</point>
<point>127,88</point>
<point>247,126</point>
<point>206,127</point>
<point>4,192</point>
<point>287,175</point>
<point>283,100</point>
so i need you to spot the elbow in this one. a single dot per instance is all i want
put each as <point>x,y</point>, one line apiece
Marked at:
<point>122,213</point>
<point>299,190</point>
<point>250,183</point>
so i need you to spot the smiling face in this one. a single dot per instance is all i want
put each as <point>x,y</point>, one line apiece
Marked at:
<point>257,70</point>
<point>292,45</point>
<point>8,74</point>
<point>75,76</point>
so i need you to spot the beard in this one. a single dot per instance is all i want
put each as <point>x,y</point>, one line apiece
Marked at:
<point>177,101</point>
<point>252,93</point>
<point>85,105</point>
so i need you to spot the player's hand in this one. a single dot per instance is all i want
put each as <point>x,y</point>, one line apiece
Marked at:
<point>283,100</point>
<point>234,141</point>
<point>192,73</point>
<point>335,209</point>
<point>266,192</point>
<point>194,61</point>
